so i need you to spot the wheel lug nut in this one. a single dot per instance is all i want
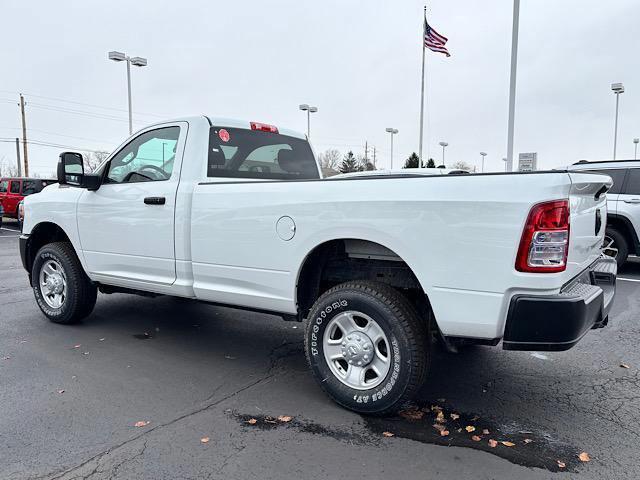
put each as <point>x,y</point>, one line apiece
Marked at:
<point>359,363</point>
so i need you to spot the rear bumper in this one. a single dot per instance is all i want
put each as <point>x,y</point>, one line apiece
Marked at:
<point>558,322</point>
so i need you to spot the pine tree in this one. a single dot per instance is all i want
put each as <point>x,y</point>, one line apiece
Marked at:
<point>412,161</point>
<point>431,163</point>
<point>350,164</point>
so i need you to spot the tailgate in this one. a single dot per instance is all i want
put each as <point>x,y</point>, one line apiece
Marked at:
<point>588,203</point>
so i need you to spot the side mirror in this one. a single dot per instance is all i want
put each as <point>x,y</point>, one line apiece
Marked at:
<point>71,172</point>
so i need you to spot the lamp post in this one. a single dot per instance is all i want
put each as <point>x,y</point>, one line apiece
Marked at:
<point>443,145</point>
<point>306,108</point>
<point>136,61</point>
<point>617,88</point>
<point>392,131</point>
<point>483,154</point>
<point>506,164</point>
<point>635,148</point>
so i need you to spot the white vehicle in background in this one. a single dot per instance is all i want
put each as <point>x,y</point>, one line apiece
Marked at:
<point>379,265</point>
<point>623,220</point>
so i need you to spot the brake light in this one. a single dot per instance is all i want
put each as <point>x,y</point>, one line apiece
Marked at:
<point>545,239</point>
<point>263,127</point>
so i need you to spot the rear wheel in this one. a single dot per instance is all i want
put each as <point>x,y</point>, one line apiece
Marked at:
<point>615,245</point>
<point>366,347</point>
<point>63,291</point>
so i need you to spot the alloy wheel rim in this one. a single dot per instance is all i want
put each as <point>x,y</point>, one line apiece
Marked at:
<point>357,350</point>
<point>53,284</point>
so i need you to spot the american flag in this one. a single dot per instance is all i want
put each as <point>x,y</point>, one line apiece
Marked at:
<point>434,41</point>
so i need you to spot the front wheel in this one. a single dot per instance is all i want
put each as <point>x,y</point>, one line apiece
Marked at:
<point>366,347</point>
<point>63,291</point>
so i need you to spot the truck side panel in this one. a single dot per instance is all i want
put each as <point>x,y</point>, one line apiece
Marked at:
<point>459,234</point>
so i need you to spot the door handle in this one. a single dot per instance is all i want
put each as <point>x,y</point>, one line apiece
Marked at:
<point>154,200</point>
<point>632,200</point>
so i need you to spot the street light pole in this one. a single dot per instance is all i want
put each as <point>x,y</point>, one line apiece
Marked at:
<point>483,154</point>
<point>617,88</point>
<point>306,108</point>
<point>392,131</point>
<point>635,146</point>
<point>136,61</point>
<point>443,145</point>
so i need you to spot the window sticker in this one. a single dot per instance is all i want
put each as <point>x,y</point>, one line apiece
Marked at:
<point>224,135</point>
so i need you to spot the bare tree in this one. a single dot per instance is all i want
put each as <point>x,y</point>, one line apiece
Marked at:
<point>330,159</point>
<point>462,165</point>
<point>7,169</point>
<point>94,159</point>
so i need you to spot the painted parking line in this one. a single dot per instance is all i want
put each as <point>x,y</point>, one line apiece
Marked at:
<point>629,279</point>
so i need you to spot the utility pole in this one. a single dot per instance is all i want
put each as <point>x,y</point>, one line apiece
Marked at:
<point>366,151</point>
<point>374,156</point>
<point>18,157</point>
<point>24,137</point>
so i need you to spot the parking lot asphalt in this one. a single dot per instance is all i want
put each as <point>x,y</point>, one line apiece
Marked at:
<point>71,395</point>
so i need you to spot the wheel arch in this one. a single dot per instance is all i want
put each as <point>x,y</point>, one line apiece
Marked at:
<point>339,260</point>
<point>42,234</point>
<point>623,225</point>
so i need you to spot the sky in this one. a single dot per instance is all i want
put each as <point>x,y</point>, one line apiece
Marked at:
<point>359,62</point>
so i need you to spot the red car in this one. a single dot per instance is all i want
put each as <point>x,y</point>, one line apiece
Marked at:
<point>13,190</point>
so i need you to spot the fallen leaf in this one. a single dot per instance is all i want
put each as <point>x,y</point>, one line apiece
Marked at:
<point>454,416</point>
<point>438,427</point>
<point>561,464</point>
<point>6,357</point>
<point>508,444</point>
<point>252,421</point>
<point>284,418</point>
<point>476,438</point>
<point>436,408</point>
<point>61,391</point>
<point>527,440</point>
<point>444,433</point>
<point>85,353</point>
<point>584,457</point>
<point>204,440</point>
<point>77,346</point>
<point>470,428</point>
<point>412,414</point>
<point>485,432</point>
<point>387,434</point>
<point>440,418</point>
<point>141,423</point>
<point>476,417</point>
<point>493,443</point>
<point>624,365</point>
<point>442,400</point>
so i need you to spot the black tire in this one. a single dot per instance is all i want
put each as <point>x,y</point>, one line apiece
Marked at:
<point>81,293</point>
<point>619,242</point>
<point>409,350</point>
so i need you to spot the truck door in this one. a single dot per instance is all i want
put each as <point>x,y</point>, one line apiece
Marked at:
<point>13,198</point>
<point>126,227</point>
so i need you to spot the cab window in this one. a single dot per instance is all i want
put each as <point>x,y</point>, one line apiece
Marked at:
<point>4,184</point>
<point>633,182</point>
<point>616,174</point>
<point>147,158</point>
<point>29,187</point>
<point>244,153</point>
<point>15,186</point>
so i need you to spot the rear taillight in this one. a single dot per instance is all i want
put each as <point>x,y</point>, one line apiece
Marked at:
<point>545,239</point>
<point>263,127</point>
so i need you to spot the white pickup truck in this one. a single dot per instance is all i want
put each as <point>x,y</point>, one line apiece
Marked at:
<point>380,266</point>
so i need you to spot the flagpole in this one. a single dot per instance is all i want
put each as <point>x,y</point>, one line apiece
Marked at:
<point>420,161</point>
<point>512,85</point>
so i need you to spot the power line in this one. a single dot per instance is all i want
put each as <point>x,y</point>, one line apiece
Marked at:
<point>57,99</point>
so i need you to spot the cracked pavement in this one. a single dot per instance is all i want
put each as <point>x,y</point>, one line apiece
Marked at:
<point>202,369</point>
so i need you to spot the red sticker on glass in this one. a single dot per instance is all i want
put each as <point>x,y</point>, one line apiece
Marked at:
<point>224,135</point>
